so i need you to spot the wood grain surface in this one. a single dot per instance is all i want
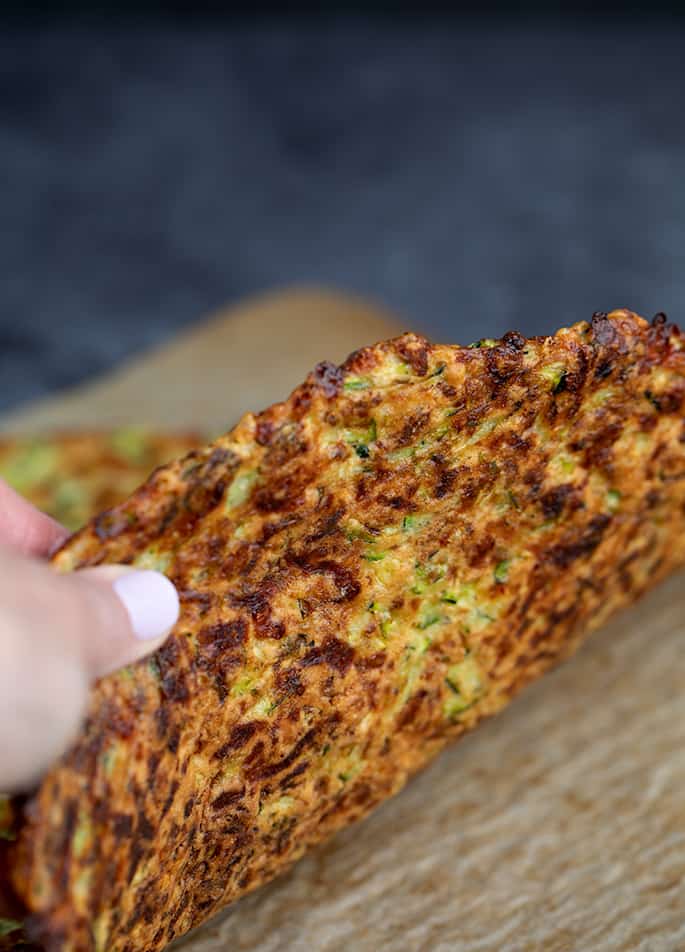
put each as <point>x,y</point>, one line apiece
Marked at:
<point>560,825</point>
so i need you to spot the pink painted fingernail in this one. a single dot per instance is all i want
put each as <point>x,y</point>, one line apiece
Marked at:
<point>151,602</point>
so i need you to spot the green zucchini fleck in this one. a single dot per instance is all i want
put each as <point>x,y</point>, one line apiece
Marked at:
<point>154,560</point>
<point>512,499</point>
<point>360,439</point>
<point>8,926</point>
<point>108,759</point>
<point>465,681</point>
<point>487,342</point>
<point>412,522</point>
<point>428,618</point>
<point>501,572</point>
<point>357,383</point>
<point>240,488</point>
<point>398,456</point>
<point>613,500</point>
<point>556,375</point>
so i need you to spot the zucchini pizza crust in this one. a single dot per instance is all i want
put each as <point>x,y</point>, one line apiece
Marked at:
<point>366,571</point>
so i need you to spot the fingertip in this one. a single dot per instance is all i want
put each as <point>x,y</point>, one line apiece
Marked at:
<point>132,613</point>
<point>151,602</point>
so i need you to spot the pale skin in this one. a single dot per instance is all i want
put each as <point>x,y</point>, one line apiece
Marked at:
<point>58,633</point>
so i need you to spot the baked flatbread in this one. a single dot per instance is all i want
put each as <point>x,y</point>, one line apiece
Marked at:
<point>366,571</point>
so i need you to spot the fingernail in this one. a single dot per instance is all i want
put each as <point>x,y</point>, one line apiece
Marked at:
<point>151,602</point>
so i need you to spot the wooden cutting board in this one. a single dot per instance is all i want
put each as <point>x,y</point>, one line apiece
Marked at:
<point>558,826</point>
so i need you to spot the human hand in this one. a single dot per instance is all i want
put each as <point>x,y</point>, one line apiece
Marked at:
<point>60,632</point>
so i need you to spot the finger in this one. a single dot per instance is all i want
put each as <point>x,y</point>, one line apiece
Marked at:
<point>123,614</point>
<point>58,633</point>
<point>25,528</point>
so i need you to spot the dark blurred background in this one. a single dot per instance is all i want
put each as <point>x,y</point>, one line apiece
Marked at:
<point>499,169</point>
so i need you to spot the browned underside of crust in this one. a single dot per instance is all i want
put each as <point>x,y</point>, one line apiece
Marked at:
<point>366,571</point>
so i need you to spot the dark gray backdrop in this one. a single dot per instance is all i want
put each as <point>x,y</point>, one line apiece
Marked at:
<point>473,177</point>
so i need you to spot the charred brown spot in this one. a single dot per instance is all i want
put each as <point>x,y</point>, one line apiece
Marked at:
<point>396,502</point>
<point>264,772</point>
<point>411,709</point>
<point>162,720</point>
<point>472,482</point>
<point>415,352</point>
<point>122,826</point>
<point>604,369</point>
<point>504,360</point>
<point>170,797</point>
<point>478,548</point>
<point>554,501</point>
<point>514,341</point>
<point>255,755</point>
<point>574,377</point>
<point>119,718</point>
<point>346,586</point>
<point>289,780</point>
<point>144,828</point>
<point>328,378</point>
<point>137,851</point>
<point>240,735</point>
<point>328,525</point>
<point>288,683</point>
<point>175,687</point>
<point>110,524</point>
<point>272,527</point>
<point>223,637</point>
<point>333,652</point>
<point>534,478</point>
<point>602,329</point>
<point>206,489</point>
<point>227,799</point>
<point>264,430</point>
<point>597,446</point>
<point>287,444</point>
<point>173,739</point>
<point>445,477</point>
<point>258,604</point>
<point>412,427</point>
<point>202,599</point>
<point>283,493</point>
<point>652,499</point>
<point>668,402</point>
<point>582,544</point>
<point>371,662</point>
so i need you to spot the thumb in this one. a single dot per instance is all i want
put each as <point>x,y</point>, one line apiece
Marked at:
<point>119,614</point>
<point>57,634</point>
